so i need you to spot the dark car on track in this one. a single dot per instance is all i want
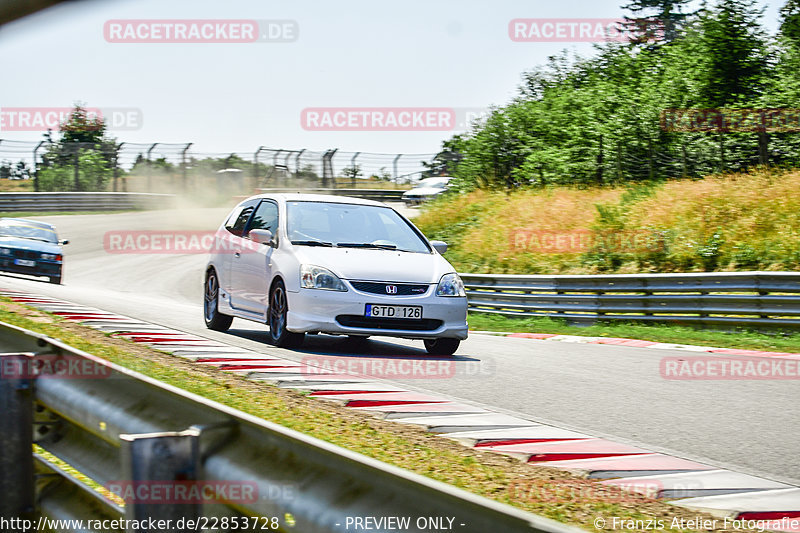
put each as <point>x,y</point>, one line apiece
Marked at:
<point>30,247</point>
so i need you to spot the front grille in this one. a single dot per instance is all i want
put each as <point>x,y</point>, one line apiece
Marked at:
<point>357,321</point>
<point>403,289</point>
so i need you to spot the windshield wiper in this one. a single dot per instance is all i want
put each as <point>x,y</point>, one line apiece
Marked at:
<point>314,243</point>
<point>367,245</point>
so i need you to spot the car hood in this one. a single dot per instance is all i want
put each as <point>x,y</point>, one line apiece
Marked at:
<point>29,244</point>
<point>424,191</point>
<point>376,265</point>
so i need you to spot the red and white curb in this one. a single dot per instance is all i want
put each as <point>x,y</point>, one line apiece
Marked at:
<point>679,481</point>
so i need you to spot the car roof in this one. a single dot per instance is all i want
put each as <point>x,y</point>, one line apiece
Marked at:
<point>43,225</point>
<point>302,197</point>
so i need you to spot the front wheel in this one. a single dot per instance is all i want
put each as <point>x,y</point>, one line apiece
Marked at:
<point>278,308</point>
<point>214,319</point>
<point>442,346</point>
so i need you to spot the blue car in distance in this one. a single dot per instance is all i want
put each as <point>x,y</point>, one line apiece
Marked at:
<point>30,247</point>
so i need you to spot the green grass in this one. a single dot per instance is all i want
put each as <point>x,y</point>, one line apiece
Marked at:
<point>742,339</point>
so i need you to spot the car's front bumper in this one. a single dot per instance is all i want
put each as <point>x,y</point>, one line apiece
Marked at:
<point>312,310</point>
<point>42,268</point>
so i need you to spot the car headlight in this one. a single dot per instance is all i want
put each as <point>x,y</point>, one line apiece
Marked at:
<point>5,251</point>
<point>450,285</point>
<point>314,277</point>
<point>51,257</point>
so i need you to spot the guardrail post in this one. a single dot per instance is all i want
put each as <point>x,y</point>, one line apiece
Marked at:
<point>154,465</point>
<point>16,438</point>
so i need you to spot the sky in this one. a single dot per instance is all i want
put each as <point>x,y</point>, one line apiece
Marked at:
<point>454,57</point>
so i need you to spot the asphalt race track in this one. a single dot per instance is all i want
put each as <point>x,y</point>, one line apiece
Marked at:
<point>611,391</point>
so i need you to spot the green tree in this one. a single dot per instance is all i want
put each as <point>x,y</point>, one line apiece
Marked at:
<point>790,21</point>
<point>656,20</point>
<point>81,158</point>
<point>734,61</point>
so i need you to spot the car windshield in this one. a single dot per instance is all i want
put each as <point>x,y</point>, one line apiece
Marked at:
<point>351,226</point>
<point>27,230</point>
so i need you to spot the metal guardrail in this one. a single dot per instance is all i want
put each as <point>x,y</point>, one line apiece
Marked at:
<point>82,201</point>
<point>122,425</point>
<point>731,299</point>
<point>381,195</point>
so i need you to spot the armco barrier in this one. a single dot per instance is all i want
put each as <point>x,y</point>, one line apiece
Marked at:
<point>118,425</point>
<point>728,299</point>
<point>82,201</point>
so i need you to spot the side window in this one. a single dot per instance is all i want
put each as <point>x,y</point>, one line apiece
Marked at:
<point>237,222</point>
<point>265,217</point>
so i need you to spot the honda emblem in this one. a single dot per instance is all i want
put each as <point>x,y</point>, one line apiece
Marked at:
<point>391,289</point>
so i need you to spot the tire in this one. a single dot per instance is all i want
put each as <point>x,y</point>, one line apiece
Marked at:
<point>214,319</point>
<point>442,346</point>
<point>276,319</point>
<point>56,280</point>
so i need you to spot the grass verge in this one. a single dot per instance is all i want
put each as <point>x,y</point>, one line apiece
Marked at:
<point>548,492</point>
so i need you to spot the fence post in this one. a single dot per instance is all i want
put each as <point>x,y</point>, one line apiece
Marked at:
<point>160,461</point>
<point>77,167</point>
<point>394,166</point>
<point>150,169</point>
<point>353,166</point>
<point>297,163</point>
<point>184,176</point>
<point>16,437</point>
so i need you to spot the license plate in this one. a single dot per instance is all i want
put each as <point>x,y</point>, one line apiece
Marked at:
<point>24,262</point>
<point>394,311</point>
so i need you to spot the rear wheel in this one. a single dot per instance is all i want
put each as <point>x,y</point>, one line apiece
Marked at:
<point>214,319</point>
<point>278,309</point>
<point>442,346</point>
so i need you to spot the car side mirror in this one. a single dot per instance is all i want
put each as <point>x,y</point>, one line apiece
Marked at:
<point>439,246</point>
<point>261,236</point>
<point>65,241</point>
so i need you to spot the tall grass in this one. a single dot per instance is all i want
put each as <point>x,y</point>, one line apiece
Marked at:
<point>722,223</point>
